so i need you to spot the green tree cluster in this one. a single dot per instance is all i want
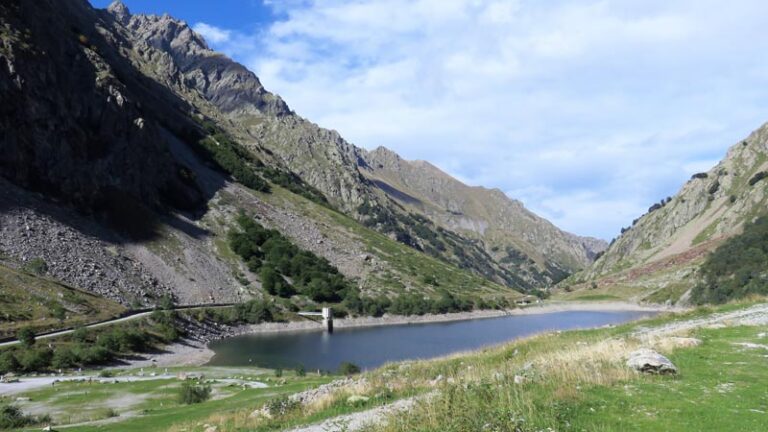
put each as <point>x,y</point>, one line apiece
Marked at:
<point>88,348</point>
<point>250,312</point>
<point>11,417</point>
<point>193,393</point>
<point>284,268</point>
<point>737,268</point>
<point>413,304</point>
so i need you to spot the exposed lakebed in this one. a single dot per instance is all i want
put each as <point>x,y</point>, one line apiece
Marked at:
<point>370,347</point>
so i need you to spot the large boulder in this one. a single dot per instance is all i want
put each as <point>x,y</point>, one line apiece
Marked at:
<point>649,361</point>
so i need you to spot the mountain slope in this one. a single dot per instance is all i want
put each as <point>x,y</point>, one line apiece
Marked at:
<point>476,211</point>
<point>108,182</point>
<point>534,253</point>
<point>662,249</point>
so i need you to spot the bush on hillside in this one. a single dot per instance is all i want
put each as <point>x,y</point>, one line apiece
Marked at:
<point>737,268</point>
<point>348,369</point>
<point>194,393</point>
<point>8,363</point>
<point>90,348</point>
<point>26,336</point>
<point>35,360</point>
<point>254,312</point>
<point>11,417</point>
<point>36,266</point>
<point>279,260</point>
<point>757,177</point>
<point>64,358</point>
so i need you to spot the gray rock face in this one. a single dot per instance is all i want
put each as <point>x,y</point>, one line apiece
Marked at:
<point>71,128</point>
<point>347,175</point>
<point>488,214</point>
<point>709,207</point>
<point>97,117</point>
<point>649,361</point>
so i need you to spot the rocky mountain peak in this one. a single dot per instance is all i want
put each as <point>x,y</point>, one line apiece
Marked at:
<point>190,62</point>
<point>120,11</point>
<point>384,158</point>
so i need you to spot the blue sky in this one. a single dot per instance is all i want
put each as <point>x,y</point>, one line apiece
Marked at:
<point>588,111</point>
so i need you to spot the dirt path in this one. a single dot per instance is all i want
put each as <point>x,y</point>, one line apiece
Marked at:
<point>752,316</point>
<point>356,421</point>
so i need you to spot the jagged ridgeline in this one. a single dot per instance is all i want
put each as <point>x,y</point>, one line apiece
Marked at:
<point>129,147</point>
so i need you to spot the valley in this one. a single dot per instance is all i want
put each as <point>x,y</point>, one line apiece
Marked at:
<point>166,219</point>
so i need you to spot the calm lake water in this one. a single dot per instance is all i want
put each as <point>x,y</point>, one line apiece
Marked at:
<point>369,347</point>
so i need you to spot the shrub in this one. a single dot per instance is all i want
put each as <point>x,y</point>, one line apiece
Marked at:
<point>169,332</point>
<point>348,369</point>
<point>301,371</point>
<point>109,341</point>
<point>36,266</point>
<point>429,280</point>
<point>233,159</point>
<point>58,312</point>
<point>93,355</point>
<point>8,362</point>
<point>12,417</point>
<point>193,393</point>
<point>26,336</point>
<point>714,187</point>
<point>254,312</point>
<point>281,406</point>
<point>34,360</point>
<point>165,324</point>
<point>64,358</point>
<point>757,177</point>
<point>278,372</point>
<point>165,302</point>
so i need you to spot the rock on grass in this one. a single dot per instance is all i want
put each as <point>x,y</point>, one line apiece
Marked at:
<point>649,361</point>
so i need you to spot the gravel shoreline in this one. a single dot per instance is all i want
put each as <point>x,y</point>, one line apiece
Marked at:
<point>308,325</point>
<point>195,353</point>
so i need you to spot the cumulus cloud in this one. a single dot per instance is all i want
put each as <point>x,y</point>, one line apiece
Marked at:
<point>212,34</point>
<point>587,111</point>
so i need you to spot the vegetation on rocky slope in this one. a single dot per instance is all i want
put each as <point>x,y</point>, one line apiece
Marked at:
<point>29,300</point>
<point>285,269</point>
<point>737,268</point>
<point>659,256</point>
<point>88,348</point>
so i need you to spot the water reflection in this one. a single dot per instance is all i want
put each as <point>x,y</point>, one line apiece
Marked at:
<point>372,346</point>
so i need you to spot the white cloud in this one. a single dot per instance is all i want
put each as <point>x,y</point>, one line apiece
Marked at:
<point>587,111</point>
<point>212,34</point>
